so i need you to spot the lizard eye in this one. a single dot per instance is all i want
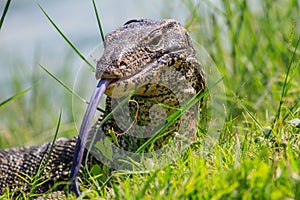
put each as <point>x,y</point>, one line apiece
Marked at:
<point>155,40</point>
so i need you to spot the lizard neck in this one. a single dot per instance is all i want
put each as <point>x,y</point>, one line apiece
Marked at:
<point>149,110</point>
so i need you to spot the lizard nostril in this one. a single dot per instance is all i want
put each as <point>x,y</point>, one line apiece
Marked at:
<point>122,65</point>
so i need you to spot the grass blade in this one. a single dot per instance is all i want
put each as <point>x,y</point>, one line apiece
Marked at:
<point>54,138</point>
<point>170,120</point>
<point>147,185</point>
<point>62,83</point>
<point>67,40</point>
<point>2,104</point>
<point>283,92</point>
<point>251,115</point>
<point>173,117</point>
<point>4,13</point>
<point>66,87</point>
<point>43,165</point>
<point>291,108</point>
<point>98,21</point>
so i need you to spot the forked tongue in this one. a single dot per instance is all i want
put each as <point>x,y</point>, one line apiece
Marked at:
<point>84,130</point>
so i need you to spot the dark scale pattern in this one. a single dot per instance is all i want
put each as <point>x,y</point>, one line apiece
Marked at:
<point>18,166</point>
<point>155,58</point>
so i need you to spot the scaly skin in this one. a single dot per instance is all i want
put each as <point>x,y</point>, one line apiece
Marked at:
<point>156,59</point>
<point>19,166</point>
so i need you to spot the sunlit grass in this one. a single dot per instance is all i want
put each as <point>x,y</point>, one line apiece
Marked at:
<point>257,155</point>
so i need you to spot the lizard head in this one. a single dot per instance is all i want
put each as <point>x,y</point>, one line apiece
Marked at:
<point>133,52</point>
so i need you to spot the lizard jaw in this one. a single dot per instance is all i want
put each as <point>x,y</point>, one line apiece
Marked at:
<point>126,85</point>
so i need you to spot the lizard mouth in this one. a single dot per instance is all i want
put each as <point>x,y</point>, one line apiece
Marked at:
<point>112,81</point>
<point>137,77</point>
<point>124,85</point>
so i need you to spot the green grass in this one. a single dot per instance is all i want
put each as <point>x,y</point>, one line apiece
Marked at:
<point>257,154</point>
<point>4,13</point>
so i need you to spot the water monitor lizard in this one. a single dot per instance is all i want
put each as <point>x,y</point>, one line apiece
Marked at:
<point>154,58</point>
